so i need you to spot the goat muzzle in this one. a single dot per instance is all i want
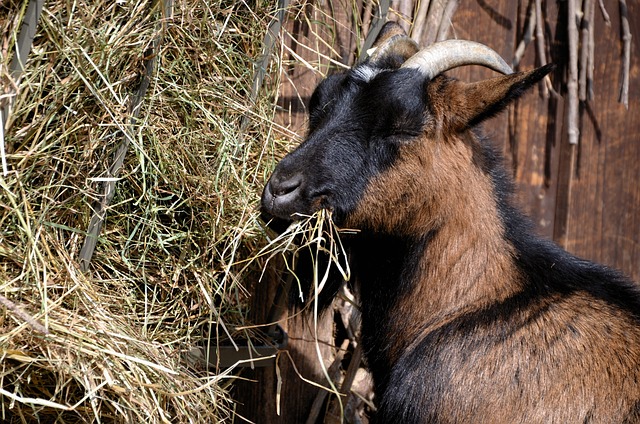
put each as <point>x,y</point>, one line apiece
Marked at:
<point>281,195</point>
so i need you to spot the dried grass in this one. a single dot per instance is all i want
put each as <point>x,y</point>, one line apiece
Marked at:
<point>109,345</point>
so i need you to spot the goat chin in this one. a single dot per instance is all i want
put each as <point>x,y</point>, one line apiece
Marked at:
<point>279,225</point>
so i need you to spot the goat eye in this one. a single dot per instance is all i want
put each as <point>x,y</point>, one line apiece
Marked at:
<point>317,113</point>
<point>326,92</point>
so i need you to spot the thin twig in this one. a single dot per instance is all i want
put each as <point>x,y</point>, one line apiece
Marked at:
<point>23,315</point>
<point>403,10</point>
<point>350,375</point>
<point>334,372</point>
<point>540,43</point>
<point>23,47</point>
<point>367,17</point>
<point>527,36</point>
<point>605,15</point>
<point>420,19</point>
<point>572,83</point>
<point>268,44</point>
<point>377,22</point>
<point>430,31</point>
<point>445,22</point>
<point>3,154</point>
<point>349,378</point>
<point>585,25</point>
<point>99,215</point>
<point>626,58</point>
<point>592,49</point>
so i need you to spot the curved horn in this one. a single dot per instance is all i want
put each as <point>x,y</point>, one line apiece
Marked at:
<point>397,44</point>
<point>444,55</point>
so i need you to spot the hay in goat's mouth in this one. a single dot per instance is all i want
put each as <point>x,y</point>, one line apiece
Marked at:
<point>319,234</point>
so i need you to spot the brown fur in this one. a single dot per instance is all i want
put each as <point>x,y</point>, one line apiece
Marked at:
<point>408,200</point>
<point>579,355</point>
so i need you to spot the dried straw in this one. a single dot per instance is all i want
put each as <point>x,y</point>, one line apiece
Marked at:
<point>109,345</point>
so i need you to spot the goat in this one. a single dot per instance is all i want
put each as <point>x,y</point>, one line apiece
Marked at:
<point>467,316</point>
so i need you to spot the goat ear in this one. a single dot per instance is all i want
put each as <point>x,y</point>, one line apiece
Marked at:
<point>391,48</point>
<point>468,104</point>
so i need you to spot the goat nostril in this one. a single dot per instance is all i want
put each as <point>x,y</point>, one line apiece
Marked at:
<point>280,187</point>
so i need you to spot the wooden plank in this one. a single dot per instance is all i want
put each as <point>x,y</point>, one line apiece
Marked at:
<point>537,131</point>
<point>604,221</point>
<point>526,133</point>
<point>319,39</point>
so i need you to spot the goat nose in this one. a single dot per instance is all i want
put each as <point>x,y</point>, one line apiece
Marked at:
<point>283,185</point>
<point>282,195</point>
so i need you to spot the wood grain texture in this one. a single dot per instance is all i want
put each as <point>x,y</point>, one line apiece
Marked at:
<point>526,132</point>
<point>604,207</point>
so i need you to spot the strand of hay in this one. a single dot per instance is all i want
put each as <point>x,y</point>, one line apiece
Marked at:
<point>108,345</point>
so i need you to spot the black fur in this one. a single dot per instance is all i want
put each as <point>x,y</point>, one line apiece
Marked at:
<point>356,124</point>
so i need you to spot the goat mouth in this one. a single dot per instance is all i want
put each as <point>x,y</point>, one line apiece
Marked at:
<point>284,203</point>
<point>279,225</point>
<point>279,215</point>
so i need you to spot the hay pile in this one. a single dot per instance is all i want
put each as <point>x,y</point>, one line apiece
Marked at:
<point>108,344</point>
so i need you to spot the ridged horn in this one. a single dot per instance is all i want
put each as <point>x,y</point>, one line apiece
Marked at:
<point>397,44</point>
<point>445,55</point>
